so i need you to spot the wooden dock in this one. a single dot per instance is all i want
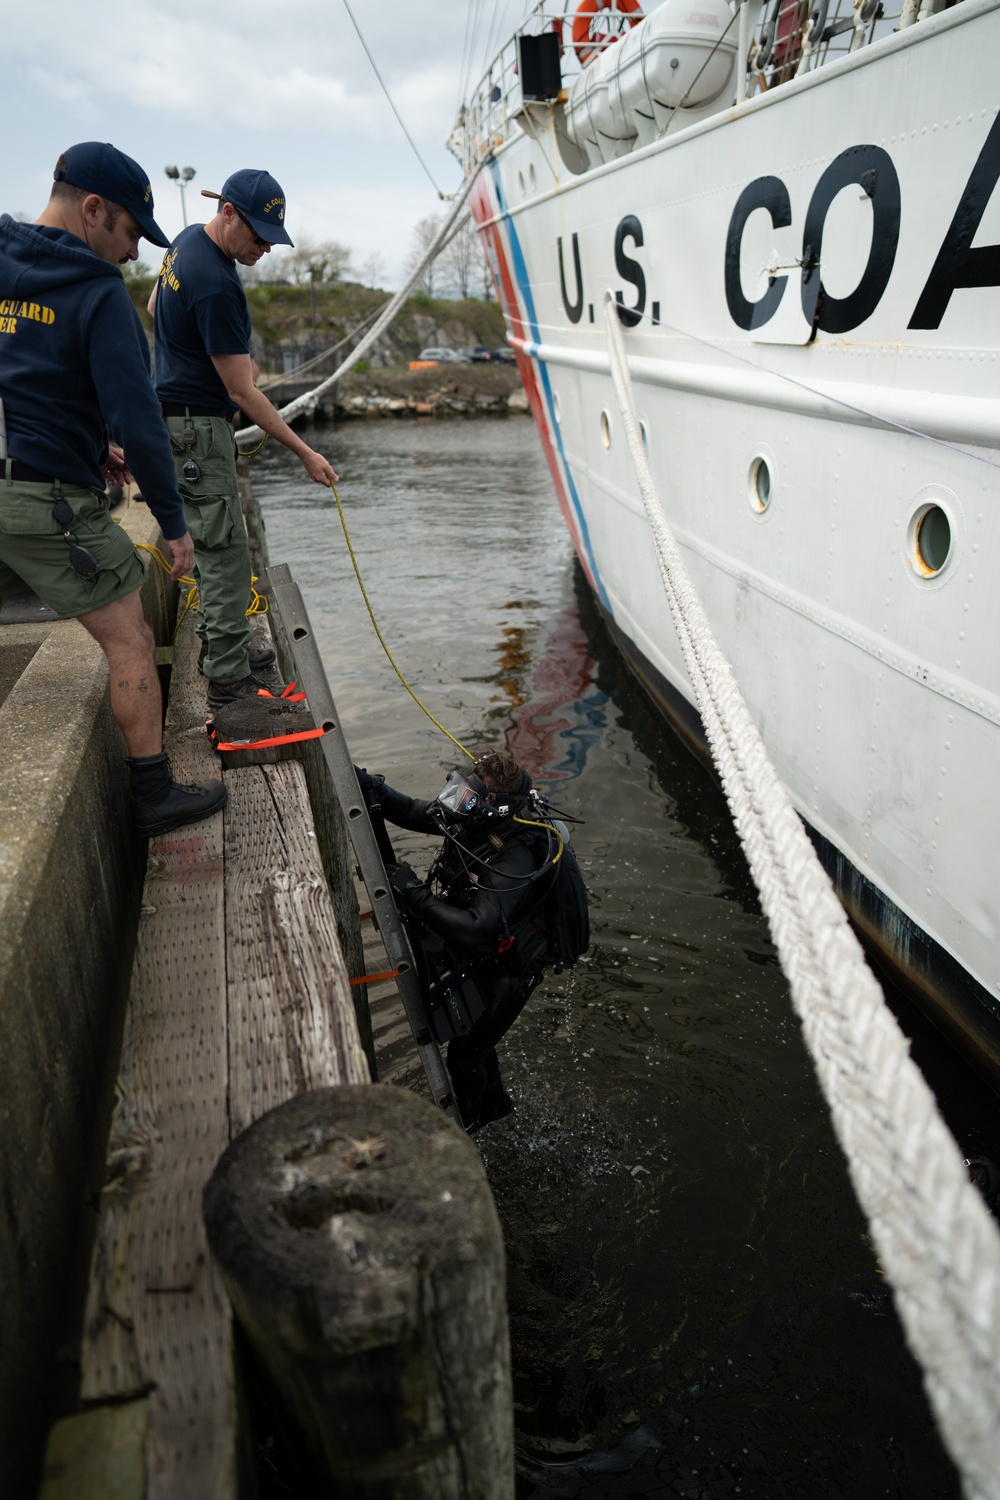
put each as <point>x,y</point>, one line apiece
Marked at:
<point>240,1000</point>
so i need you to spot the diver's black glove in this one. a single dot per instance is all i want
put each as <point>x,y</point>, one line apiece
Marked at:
<point>403,881</point>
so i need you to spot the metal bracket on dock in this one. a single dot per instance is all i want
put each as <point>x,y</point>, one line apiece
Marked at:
<point>310,675</point>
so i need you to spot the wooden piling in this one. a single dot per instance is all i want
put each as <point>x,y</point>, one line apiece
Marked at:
<point>361,1250</point>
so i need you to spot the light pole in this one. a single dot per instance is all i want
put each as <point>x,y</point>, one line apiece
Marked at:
<point>182,177</point>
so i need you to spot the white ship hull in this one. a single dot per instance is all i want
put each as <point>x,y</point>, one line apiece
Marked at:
<point>871,667</point>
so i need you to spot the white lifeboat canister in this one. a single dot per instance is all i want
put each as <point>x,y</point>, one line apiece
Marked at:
<point>678,58</point>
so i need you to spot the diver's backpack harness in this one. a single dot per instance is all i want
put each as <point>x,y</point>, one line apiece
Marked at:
<point>552,932</point>
<point>561,914</point>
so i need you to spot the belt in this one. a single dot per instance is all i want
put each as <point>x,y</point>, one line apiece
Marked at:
<point>174,409</point>
<point>25,474</point>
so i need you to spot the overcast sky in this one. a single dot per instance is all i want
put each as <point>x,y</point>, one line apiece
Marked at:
<point>218,85</point>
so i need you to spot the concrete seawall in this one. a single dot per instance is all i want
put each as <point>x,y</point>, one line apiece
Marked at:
<point>70,885</point>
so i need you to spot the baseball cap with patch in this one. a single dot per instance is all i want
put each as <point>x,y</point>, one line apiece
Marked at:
<point>98,167</point>
<point>260,200</point>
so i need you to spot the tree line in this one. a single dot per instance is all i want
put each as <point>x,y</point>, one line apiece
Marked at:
<point>459,271</point>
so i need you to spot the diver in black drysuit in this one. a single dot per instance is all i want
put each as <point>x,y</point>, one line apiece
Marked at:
<point>482,898</point>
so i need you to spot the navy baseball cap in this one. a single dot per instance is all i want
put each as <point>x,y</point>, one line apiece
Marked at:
<point>98,167</point>
<point>261,201</point>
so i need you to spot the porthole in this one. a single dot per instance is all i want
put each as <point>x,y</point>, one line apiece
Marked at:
<point>930,541</point>
<point>760,484</point>
<point>520,183</point>
<point>605,429</point>
<point>644,434</point>
<point>532,179</point>
<point>556,408</point>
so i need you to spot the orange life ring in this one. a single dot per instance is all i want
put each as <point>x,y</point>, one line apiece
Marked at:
<point>588,44</point>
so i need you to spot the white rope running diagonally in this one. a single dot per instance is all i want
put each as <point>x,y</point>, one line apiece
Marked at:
<point>306,403</point>
<point>938,1243</point>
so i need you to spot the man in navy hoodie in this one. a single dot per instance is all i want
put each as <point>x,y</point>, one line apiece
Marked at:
<point>74,362</point>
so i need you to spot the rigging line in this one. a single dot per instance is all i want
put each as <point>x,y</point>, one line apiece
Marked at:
<point>823,395</point>
<point>392,106</point>
<point>467,49</point>
<point>295,375</point>
<point>488,53</point>
<point>307,401</point>
<point>468,52</point>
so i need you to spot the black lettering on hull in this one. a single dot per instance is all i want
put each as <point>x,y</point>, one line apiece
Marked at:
<point>958,264</point>
<point>629,229</point>
<point>574,310</point>
<point>872,169</point>
<point>771,194</point>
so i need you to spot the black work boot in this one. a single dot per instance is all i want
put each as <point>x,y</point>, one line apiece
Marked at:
<point>260,652</point>
<point>250,686</point>
<point>159,803</point>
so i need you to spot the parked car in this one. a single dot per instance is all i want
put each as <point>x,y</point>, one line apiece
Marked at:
<point>440,356</point>
<point>503,356</point>
<point>479,354</point>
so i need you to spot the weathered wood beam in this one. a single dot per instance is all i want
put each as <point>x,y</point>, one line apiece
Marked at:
<point>292,1025</point>
<point>157,1319</point>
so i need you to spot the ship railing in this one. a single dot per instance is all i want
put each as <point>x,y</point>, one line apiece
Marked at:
<point>783,40</point>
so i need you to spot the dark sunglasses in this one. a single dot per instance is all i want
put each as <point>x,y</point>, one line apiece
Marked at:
<point>261,244</point>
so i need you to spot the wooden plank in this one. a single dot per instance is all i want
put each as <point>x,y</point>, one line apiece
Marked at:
<point>98,1455</point>
<point>292,1024</point>
<point>157,1318</point>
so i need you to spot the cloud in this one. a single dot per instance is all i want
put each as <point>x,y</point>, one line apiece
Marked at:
<point>234,83</point>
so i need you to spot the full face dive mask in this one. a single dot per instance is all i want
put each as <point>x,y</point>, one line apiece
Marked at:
<point>465,798</point>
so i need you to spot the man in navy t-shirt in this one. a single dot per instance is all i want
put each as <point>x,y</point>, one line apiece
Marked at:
<point>74,361</point>
<point>203,373</point>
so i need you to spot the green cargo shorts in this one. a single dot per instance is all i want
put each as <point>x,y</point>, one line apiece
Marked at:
<point>34,554</point>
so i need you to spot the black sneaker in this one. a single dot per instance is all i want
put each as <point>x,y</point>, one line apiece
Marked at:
<point>181,804</point>
<point>249,686</point>
<point>260,651</point>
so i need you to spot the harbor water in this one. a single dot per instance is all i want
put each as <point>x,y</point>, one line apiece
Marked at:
<point>696,1308</point>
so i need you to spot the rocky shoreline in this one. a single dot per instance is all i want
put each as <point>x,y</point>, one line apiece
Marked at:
<point>435,404</point>
<point>441,391</point>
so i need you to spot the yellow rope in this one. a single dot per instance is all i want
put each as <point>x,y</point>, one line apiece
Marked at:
<point>258,602</point>
<point>164,562</point>
<point>549,828</point>
<point>381,637</point>
<point>525,822</point>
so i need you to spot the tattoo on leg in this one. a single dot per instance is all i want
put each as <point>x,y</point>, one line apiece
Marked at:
<point>143,686</point>
<point>123,682</point>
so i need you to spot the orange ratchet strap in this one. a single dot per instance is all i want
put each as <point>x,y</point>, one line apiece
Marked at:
<point>290,696</point>
<point>278,739</point>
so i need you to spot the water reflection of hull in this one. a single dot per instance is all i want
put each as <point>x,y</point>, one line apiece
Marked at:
<point>551,732</point>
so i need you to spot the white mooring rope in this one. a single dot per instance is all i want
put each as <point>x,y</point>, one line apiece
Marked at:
<point>306,403</point>
<point>938,1243</point>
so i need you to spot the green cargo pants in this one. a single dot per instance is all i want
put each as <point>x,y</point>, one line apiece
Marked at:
<point>221,554</point>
